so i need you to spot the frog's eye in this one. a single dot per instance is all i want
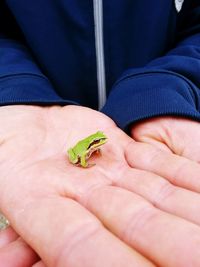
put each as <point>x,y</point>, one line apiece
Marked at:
<point>96,142</point>
<point>93,143</point>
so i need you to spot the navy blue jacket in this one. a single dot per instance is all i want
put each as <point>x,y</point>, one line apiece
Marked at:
<point>151,52</point>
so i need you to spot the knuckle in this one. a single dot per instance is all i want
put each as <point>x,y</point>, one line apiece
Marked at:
<point>179,173</point>
<point>155,155</point>
<point>164,191</point>
<point>73,243</point>
<point>133,229</point>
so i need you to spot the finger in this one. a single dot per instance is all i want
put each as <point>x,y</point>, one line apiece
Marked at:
<point>61,231</point>
<point>142,132</point>
<point>74,236</point>
<point>152,232</point>
<point>175,134</point>
<point>39,264</point>
<point>178,170</point>
<point>17,254</point>
<point>7,236</point>
<point>161,193</point>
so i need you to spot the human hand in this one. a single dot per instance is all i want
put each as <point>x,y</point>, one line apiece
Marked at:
<point>41,191</point>
<point>14,252</point>
<point>109,213</point>
<point>177,135</point>
<point>165,146</point>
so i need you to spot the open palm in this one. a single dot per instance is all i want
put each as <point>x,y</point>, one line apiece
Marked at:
<point>41,187</point>
<point>108,215</point>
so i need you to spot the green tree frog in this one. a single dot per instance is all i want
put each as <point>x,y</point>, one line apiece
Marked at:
<point>81,152</point>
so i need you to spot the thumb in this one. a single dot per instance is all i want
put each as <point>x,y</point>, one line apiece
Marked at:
<point>177,135</point>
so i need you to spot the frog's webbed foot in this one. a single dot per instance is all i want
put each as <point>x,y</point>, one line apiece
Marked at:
<point>83,162</point>
<point>90,165</point>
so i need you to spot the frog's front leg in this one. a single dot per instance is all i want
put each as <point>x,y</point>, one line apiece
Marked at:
<point>83,161</point>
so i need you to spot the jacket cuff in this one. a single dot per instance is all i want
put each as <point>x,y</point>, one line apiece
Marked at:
<point>148,95</point>
<point>28,89</point>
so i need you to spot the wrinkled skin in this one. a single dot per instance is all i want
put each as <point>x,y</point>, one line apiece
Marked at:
<point>177,135</point>
<point>109,215</point>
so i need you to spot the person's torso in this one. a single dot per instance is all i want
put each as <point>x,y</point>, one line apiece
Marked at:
<point>66,39</point>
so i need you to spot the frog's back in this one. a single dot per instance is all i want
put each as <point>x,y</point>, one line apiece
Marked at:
<point>81,147</point>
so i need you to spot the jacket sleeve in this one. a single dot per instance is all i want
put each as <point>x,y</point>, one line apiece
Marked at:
<point>169,85</point>
<point>21,80</point>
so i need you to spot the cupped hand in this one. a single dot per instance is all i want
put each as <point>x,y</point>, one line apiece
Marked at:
<point>108,215</point>
<point>177,135</point>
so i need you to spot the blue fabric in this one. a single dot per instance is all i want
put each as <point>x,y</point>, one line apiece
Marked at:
<point>152,56</point>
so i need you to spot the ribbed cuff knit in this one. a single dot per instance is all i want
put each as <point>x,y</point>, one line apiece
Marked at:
<point>150,95</point>
<point>28,89</point>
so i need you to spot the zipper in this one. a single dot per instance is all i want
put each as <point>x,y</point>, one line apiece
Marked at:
<point>99,44</point>
<point>178,4</point>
